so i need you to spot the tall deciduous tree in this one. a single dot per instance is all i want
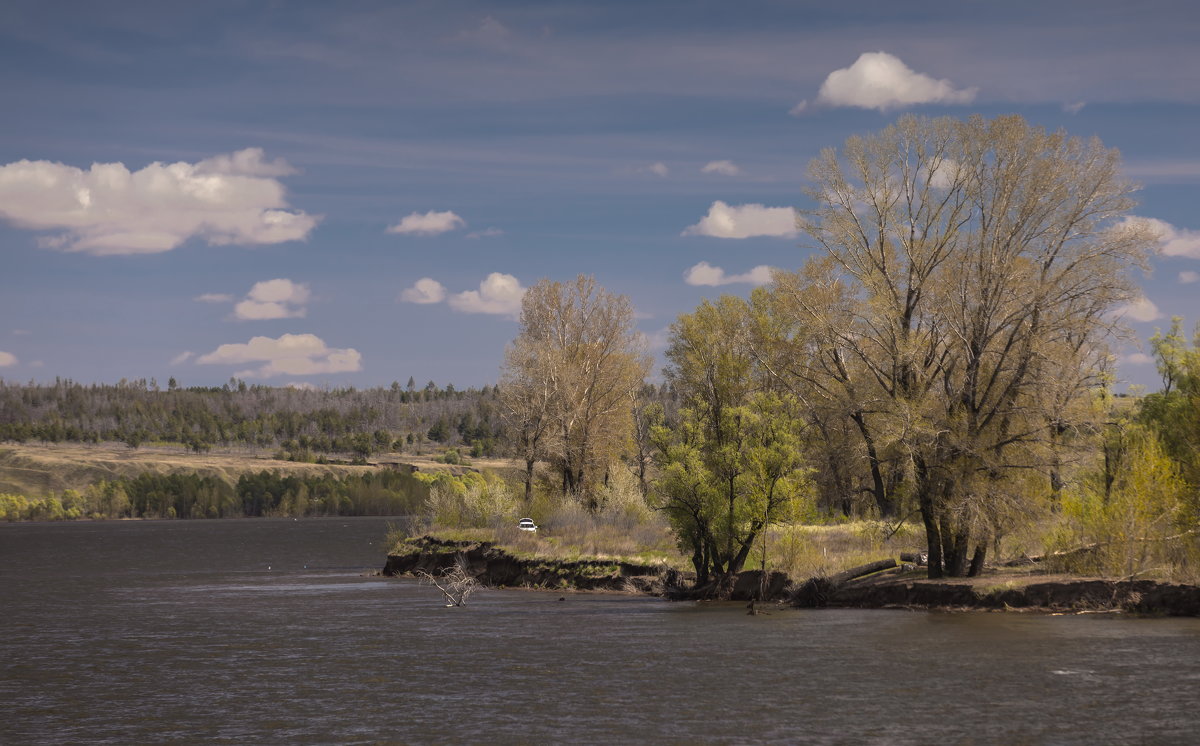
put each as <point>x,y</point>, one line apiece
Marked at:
<point>569,377</point>
<point>969,271</point>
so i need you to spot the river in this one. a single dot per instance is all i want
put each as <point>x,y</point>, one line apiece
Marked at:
<point>276,631</point>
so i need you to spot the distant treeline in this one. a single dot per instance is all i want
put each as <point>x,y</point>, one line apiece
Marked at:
<point>194,496</point>
<point>301,422</point>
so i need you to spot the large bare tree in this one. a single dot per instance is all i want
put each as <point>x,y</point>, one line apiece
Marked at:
<point>959,313</point>
<point>568,379</point>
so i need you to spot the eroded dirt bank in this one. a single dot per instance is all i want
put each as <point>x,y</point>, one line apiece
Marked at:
<point>1054,593</point>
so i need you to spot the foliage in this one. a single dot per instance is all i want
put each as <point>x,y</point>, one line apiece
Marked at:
<point>732,465</point>
<point>266,493</point>
<point>1132,518</point>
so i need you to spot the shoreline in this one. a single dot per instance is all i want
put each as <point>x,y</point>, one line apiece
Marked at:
<point>903,587</point>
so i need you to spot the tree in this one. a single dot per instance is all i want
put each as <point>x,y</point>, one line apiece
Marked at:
<point>969,268</point>
<point>568,379</point>
<point>732,466</point>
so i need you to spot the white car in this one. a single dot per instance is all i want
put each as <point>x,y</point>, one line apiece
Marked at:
<point>527,524</point>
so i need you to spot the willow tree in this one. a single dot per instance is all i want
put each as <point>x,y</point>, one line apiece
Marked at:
<point>568,379</point>
<point>968,275</point>
<point>732,465</point>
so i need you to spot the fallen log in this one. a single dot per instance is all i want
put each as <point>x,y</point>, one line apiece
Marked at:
<point>815,592</point>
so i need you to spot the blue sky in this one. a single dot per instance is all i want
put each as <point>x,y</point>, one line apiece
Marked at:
<point>355,193</point>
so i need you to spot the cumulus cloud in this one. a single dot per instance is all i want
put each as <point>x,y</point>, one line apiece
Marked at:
<point>424,290</point>
<point>430,223</point>
<point>7,359</point>
<point>1141,309</point>
<point>273,299</point>
<point>109,210</point>
<point>1187,277</point>
<point>1074,107</point>
<point>499,294</point>
<point>706,274</point>
<point>1172,241</point>
<point>724,168</point>
<point>744,221</point>
<point>182,357</point>
<point>486,233</point>
<point>878,80</point>
<point>290,355</point>
<point>214,298</point>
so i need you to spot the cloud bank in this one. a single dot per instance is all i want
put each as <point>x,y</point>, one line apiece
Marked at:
<point>289,355</point>
<point>744,221</point>
<point>431,223</point>
<point>878,80</point>
<point>706,274</point>
<point>110,210</point>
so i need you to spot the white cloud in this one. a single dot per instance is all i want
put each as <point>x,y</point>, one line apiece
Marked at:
<point>1141,309</point>
<point>1074,107</point>
<point>7,359</point>
<point>424,290</point>
<point>706,274</point>
<point>1172,241</point>
<point>214,298</point>
<point>428,224</point>
<point>878,80</point>
<point>724,168</point>
<point>182,357</point>
<point>486,233</point>
<point>498,294</point>
<point>302,386</point>
<point>744,221</point>
<point>290,354</point>
<point>37,364</point>
<point>658,169</point>
<point>799,108</point>
<point>273,299</point>
<point>21,332</point>
<point>1187,277</point>
<point>109,210</point>
<point>1137,358</point>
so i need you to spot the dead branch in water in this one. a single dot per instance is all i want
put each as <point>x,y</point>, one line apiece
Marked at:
<point>456,583</point>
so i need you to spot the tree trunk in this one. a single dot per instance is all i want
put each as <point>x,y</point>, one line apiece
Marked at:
<point>934,542</point>
<point>529,463</point>
<point>886,509</point>
<point>978,560</point>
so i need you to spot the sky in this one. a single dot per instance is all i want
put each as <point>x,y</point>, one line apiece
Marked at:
<point>350,194</point>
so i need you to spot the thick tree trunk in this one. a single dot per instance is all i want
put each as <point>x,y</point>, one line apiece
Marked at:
<point>978,560</point>
<point>529,463</point>
<point>933,534</point>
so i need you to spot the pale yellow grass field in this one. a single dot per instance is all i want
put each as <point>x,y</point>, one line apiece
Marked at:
<point>37,469</point>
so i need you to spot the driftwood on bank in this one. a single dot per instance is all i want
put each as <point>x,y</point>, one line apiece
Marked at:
<point>815,592</point>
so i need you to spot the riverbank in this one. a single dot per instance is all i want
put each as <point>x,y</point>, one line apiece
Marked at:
<point>903,587</point>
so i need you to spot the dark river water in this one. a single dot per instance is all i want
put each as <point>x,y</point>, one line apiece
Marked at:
<point>274,631</point>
